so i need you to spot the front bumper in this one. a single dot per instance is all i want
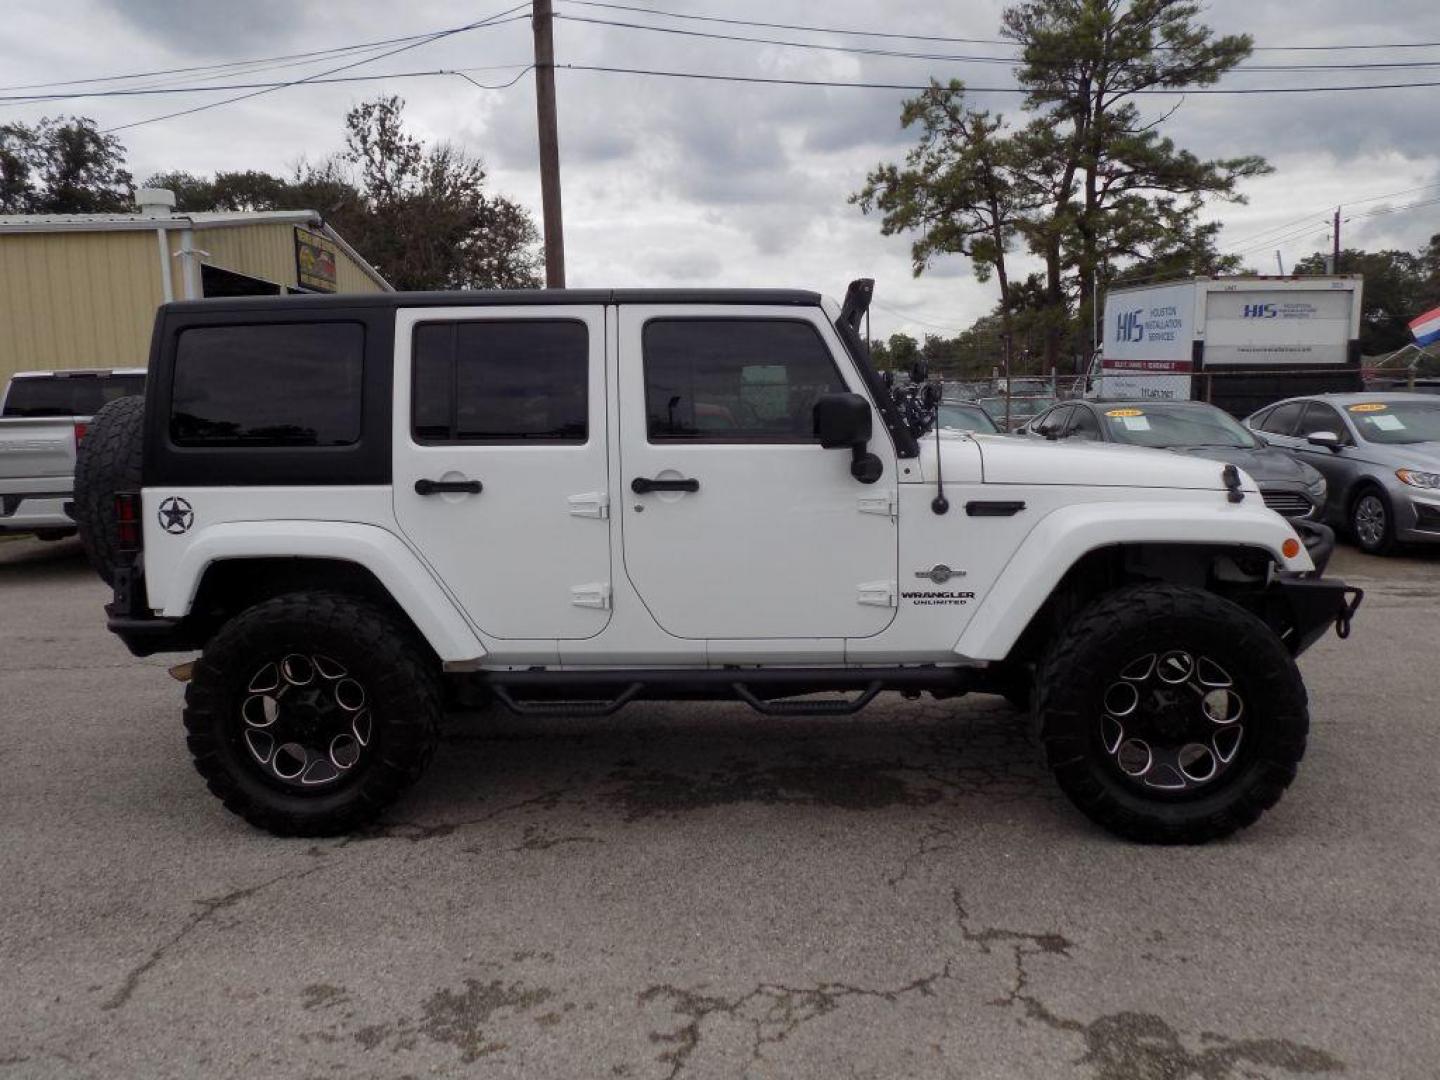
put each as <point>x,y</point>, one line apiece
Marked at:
<point>1302,607</point>
<point>1417,517</point>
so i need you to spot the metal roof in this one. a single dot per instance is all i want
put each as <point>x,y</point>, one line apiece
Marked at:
<point>33,223</point>
<point>194,221</point>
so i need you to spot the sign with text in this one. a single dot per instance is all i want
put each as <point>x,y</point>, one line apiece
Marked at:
<point>314,261</point>
<point>1268,326</point>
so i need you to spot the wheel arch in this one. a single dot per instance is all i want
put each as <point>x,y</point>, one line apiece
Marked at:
<point>1076,553</point>
<point>235,565</point>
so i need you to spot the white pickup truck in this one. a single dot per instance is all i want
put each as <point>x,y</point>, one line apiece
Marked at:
<point>362,509</point>
<point>43,416</point>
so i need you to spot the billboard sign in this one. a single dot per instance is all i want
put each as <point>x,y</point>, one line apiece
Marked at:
<point>1303,328</point>
<point>1148,343</point>
<point>314,261</point>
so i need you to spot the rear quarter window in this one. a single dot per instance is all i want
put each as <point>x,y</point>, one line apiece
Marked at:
<point>284,384</point>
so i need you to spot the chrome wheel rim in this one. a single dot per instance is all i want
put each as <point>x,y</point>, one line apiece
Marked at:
<point>305,721</point>
<point>1370,520</point>
<point>1172,722</point>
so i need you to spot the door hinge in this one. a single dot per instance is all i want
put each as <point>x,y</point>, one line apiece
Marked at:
<point>886,503</point>
<point>876,593</point>
<point>593,504</point>
<point>591,596</point>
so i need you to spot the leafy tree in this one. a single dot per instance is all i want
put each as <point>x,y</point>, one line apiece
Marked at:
<point>960,188</point>
<point>62,165</point>
<point>1088,181</point>
<point>421,215</point>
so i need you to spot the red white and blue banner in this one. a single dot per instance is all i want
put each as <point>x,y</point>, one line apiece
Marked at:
<point>1426,328</point>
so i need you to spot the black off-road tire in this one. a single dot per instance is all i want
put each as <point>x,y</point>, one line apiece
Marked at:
<point>1150,619</point>
<point>403,694</point>
<point>107,461</point>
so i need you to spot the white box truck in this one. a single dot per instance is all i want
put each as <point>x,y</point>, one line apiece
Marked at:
<point>1238,342</point>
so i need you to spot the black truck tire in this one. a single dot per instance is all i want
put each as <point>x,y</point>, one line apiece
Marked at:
<point>1171,715</point>
<point>107,461</point>
<point>309,714</point>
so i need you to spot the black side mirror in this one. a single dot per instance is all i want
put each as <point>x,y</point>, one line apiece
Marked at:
<point>1327,439</point>
<point>843,421</point>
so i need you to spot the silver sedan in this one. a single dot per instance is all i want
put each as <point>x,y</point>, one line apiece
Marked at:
<point>1380,454</point>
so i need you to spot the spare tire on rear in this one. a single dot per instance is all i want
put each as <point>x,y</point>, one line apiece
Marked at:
<point>107,461</point>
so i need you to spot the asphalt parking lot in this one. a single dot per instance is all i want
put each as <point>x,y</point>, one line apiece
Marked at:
<point>696,891</point>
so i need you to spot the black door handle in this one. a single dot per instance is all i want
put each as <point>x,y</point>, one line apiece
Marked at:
<point>643,484</point>
<point>432,487</point>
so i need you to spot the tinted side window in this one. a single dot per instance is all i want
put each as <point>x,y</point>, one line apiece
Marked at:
<point>1083,425</point>
<point>1282,420</point>
<point>502,381</point>
<point>1320,417</point>
<point>735,380</point>
<point>290,384</point>
<point>69,395</point>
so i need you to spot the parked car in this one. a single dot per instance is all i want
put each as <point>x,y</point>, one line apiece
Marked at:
<point>43,416</point>
<point>360,507</point>
<point>1019,411</point>
<point>1380,453</point>
<point>965,416</point>
<point>1288,486</point>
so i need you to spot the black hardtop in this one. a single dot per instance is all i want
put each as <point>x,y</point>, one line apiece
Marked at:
<point>507,297</point>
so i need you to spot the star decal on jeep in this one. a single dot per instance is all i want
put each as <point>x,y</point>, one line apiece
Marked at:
<point>176,516</point>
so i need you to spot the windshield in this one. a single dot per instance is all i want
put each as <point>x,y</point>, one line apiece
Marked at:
<point>965,418</point>
<point>1023,407</point>
<point>1186,425</point>
<point>1397,421</point>
<point>68,395</point>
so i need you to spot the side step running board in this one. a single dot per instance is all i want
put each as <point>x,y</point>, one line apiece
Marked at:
<point>808,708</point>
<point>582,707</point>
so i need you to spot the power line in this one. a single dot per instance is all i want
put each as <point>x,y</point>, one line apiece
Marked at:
<point>490,20</point>
<point>912,319</point>
<point>318,53</point>
<point>776,81</point>
<point>1011,61</point>
<point>1325,209</point>
<point>849,32</point>
<point>316,81</point>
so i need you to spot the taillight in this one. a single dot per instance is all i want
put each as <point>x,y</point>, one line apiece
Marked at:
<point>81,430</point>
<point>127,521</point>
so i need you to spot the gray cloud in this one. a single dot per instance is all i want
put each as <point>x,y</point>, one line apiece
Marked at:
<point>678,181</point>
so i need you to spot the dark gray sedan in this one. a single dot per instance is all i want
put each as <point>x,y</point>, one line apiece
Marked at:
<point>1288,486</point>
<point>1380,454</point>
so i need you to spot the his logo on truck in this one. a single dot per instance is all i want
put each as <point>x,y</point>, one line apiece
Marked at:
<point>176,516</point>
<point>1129,326</point>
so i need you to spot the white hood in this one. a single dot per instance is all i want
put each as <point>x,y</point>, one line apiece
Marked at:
<point>1007,459</point>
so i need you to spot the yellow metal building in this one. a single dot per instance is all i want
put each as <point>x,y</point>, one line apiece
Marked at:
<point>80,290</point>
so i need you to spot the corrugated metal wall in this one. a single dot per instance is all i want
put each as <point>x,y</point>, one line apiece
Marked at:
<point>268,251</point>
<point>71,300</point>
<point>88,299</point>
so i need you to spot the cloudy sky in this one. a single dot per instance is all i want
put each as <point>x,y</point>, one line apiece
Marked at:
<point>679,182</point>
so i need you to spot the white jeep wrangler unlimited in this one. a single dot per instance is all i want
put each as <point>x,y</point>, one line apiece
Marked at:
<point>362,508</point>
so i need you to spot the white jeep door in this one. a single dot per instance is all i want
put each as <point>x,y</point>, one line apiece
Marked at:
<point>774,538</point>
<point>500,462</point>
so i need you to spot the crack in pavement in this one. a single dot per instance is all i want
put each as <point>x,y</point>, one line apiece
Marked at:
<point>1135,1045</point>
<point>208,909</point>
<point>773,1011</point>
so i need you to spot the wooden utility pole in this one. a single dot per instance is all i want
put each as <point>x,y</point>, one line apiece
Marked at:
<point>542,21</point>
<point>1335,258</point>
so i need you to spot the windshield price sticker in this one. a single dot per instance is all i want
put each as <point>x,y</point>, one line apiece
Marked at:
<point>1371,406</point>
<point>1386,423</point>
<point>1125,412</point>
